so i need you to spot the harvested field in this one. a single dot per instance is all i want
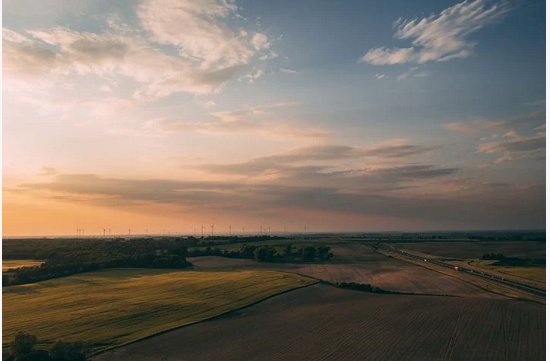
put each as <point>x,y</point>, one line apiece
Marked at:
<point>325,323</point>
<point>474,250</point>
<point>359,263</point>
<point>112,307</point>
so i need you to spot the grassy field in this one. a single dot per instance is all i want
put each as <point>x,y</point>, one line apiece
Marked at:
<point>16,263</point>
<point>109,308</point>
<point>536,274</point>
<point>325,323</point>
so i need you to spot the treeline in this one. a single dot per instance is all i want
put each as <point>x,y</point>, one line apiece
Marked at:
<point>513,261</point>
<point>91,250</point>
<point>55,269</point>
<point>219,240</point>
<point>23,348</point>
<point>363,287</point>
<point>287,253</point>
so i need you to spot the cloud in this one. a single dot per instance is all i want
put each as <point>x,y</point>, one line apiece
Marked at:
<point>451,203</point>
<point>238,121</point>
<point>439,37</point>
<point>517,147</point>
<point>292,162</point>
<point>181,47</point>
<point>385,56</point>
<point>47,171</point>
<point>478,125</point>
<point>14,37</point>
<point>288,71</point>
<point>260,41</point>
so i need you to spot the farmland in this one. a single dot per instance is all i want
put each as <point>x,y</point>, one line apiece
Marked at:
<point>440,313</point>
<point>16,263</point>
<point>524,249</point>
<point>535,275</point>
<point>109,308</point>
<point>355,262</point>
<point>322,322</point>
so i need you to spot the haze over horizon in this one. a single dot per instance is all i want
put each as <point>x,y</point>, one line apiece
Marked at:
<point>363,116</point>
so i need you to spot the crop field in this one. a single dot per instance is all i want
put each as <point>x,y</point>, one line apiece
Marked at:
<point>325,323</point>
<point>354,262</point>
<point>470,250</point>
<point>112,307</point>
<point>16,263</point>
<point>536,274</point>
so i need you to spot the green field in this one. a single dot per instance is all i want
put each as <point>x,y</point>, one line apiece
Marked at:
<point>16,263</point>
<point>109,308</point>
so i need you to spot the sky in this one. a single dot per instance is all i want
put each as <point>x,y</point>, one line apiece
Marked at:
<point>165,115</point>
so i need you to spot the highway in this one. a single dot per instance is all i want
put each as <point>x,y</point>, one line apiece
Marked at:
<point>540,292</point>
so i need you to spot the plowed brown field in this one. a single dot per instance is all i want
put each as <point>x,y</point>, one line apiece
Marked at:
<point>325,323</point>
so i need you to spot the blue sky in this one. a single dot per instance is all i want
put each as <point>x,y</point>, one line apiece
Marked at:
<point>413,104</point>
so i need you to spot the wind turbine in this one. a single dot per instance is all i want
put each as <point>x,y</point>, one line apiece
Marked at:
<point>230,230</point>
<point>202,231</point>
<point>269,231</point>
<point>104,232</point>
<point>261,230</point>
<point>212,226</point>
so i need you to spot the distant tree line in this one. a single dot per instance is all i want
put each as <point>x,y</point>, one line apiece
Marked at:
<point>513,261</point>
<point>363,287</point>
<point>52,269</point>
<point>67,257</point>
<point>219,240</point>
<point>286,253</point>
<point>23,348</point>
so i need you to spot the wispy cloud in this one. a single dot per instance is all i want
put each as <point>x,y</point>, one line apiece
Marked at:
<point>475,126</point>
<point>288,71</point>
<point>210,51</point>
<point>516,147</point>
<point>439,37</point>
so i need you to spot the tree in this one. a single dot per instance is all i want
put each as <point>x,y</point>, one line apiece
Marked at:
<point>308,254</point>
<point>324,252</point>
<point>288,250</point>
<point>68,351</point>
<point>22,344</point>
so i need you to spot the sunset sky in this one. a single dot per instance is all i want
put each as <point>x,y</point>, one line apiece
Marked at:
<point>341,116</point>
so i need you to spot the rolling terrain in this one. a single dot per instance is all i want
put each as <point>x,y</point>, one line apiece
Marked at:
<point>109,308</point>
<point>325,323</point>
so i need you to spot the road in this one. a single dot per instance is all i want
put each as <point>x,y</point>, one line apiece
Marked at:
<point>540,292</point>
